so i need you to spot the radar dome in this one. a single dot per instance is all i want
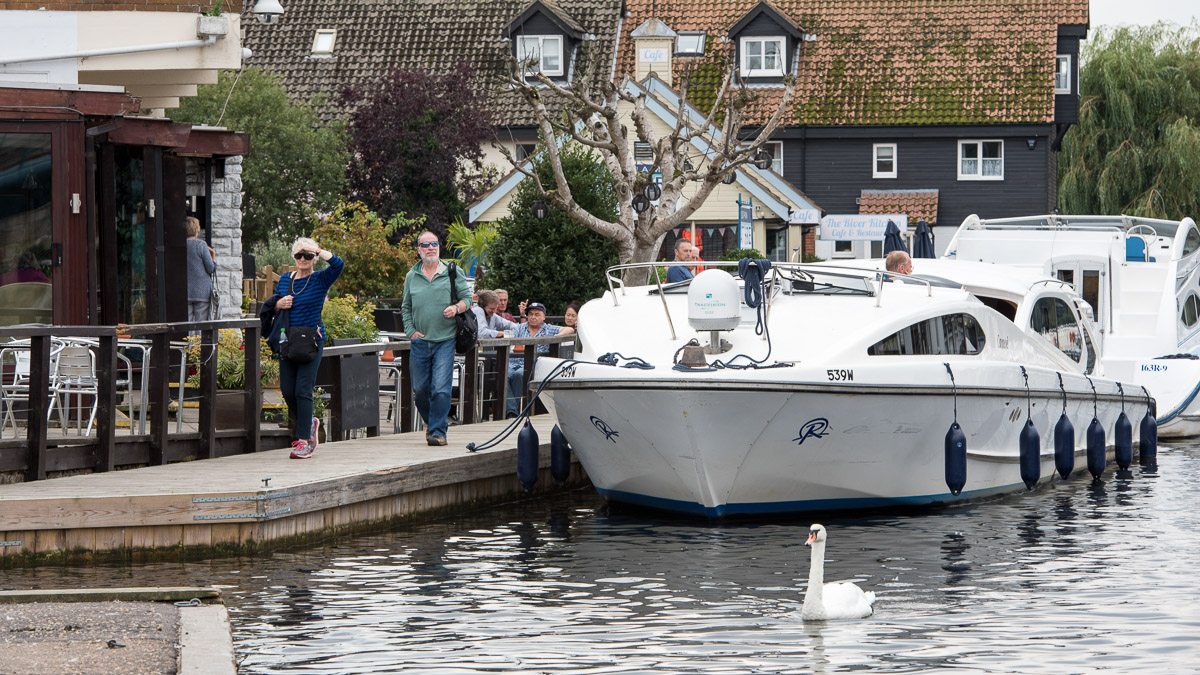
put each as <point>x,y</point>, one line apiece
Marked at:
<point>714,301</point>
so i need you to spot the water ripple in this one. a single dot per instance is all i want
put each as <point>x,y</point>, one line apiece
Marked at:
<point>1075,577</point>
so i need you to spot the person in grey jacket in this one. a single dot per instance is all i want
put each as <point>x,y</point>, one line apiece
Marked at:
<point>202,263</point>
<point>491,324</point>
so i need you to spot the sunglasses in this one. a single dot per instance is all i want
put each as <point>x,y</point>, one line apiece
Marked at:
<point>428,244</point>
<point>306,256</point>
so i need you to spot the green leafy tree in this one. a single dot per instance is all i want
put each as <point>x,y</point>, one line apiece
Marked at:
<point>1136,149</point>
<point>295,165</point>
<point>374,268</point>
<point>556,260</point>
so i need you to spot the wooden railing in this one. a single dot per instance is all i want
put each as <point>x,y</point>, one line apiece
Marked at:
<point>37,453</point>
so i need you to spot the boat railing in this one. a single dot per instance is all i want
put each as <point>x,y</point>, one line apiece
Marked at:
<point>873,280</point>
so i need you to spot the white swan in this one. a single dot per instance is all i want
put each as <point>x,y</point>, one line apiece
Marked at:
<point>837,600</point>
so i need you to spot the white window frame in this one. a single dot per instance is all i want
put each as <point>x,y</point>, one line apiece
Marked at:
<point>978,144</point>
<point>316,47</point>
<point>776,156</point>
<point>875,172</point>
<point>744,44</point>
<point>541,41</point>
<point>1061,70</point>
<point>690,33</point>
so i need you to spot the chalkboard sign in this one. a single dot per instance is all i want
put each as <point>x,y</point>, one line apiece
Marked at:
<point>357,400</point>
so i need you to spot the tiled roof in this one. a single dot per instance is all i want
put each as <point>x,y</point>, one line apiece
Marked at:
<point>374,36</point>
<point>893,62</point>
<point>918,204</point>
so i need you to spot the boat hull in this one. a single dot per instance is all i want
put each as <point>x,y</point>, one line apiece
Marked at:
<point>755,449</point>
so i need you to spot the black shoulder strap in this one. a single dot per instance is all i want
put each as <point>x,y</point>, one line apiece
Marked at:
<point>453,285</point>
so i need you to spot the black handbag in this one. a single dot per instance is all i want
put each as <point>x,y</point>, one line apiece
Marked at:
<point>466,326</point>
<point>302,342</point>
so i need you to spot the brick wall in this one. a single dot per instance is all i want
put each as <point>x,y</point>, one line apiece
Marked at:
<point>191,6</point>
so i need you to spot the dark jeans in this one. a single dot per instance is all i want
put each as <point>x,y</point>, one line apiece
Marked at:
<point>296,381</point>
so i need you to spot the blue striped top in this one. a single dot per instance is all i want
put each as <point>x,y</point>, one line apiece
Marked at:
<point>310,294</point>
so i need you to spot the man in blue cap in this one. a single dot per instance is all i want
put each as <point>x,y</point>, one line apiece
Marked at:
<point>534,326</point>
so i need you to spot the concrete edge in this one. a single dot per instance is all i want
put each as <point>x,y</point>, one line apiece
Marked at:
<point>167,594</point>
<point>205,641</point>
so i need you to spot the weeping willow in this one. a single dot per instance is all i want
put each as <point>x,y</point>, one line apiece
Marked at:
<point>1136,149</point>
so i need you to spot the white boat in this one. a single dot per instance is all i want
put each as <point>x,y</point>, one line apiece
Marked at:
<point>855,415</point>
<point>1140,278</point>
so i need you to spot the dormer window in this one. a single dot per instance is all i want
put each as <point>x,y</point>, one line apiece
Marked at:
<point>689,43</point>
<point>324,41</point>
<point>762,56</point>
<point>541,53</point>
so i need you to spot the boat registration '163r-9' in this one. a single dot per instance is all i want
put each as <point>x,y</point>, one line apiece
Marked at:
<point>783,387</point>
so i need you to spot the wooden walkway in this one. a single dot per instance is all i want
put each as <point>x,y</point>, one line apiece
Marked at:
<point>249,501</point>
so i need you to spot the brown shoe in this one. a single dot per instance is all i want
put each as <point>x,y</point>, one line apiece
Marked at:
<point>437,440</point>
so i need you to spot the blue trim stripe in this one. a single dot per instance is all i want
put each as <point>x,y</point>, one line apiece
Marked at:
<point>784,508</point>
<point>1180,408</point>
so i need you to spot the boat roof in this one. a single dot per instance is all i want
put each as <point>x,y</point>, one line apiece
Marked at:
<point>998,279</point>
<point>1123,223</point>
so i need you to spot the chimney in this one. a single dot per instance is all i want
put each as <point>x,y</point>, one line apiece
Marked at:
<point>654,43</point>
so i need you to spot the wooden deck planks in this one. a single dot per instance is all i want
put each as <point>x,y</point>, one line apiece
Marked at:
<point>261,497</point>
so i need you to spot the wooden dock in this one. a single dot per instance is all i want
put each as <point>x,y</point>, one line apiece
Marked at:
<point>261,500</point>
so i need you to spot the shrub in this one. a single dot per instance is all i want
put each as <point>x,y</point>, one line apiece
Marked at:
<point>739,253</point>
<point>374,267</point>
<point>346,317</point>
<point>555,260</point>
<point>231,361</point>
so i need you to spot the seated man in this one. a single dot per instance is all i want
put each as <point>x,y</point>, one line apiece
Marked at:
<point>683,254</point>
<point>534,326</point>
<point>898,262</point>
<point>491,324</point>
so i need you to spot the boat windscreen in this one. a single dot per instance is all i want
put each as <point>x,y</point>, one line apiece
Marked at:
<point>827,283</point>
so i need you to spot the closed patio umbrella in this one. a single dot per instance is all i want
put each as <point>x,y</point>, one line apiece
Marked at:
<point>923,241</point>
<point>892,241</point>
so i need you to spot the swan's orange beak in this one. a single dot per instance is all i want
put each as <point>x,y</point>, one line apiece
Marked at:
<point>812,536</point>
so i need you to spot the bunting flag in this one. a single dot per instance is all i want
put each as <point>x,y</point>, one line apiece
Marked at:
<point>722,231</point>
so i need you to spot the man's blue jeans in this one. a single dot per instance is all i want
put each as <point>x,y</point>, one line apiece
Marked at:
<point>516,389</point>
<point>431,366</point>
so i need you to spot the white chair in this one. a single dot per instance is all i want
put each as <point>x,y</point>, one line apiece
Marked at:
<point>74,376</point>
<point>16,389</point>
<point>389,390</point>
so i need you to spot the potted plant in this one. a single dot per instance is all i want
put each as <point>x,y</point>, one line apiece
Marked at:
<point>231,375</point>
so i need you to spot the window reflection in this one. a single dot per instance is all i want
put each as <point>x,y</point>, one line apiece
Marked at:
<point>1053,320</point>
<point>950,334</point>
<point>26,229</point>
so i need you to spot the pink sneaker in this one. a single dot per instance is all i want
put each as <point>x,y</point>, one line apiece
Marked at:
<point>312,440</point>
<point>301,450</point>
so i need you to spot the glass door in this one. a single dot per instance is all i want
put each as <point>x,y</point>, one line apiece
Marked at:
<point>27,246</point>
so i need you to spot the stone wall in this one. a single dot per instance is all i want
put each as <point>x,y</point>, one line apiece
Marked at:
<point>226,203</point>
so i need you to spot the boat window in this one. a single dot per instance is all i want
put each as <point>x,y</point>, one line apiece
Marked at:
<point>1053,319</point>
<point>1191,310</point>
<point>1192,242</point>
<point>950,334</point>
<point>1091,351</point>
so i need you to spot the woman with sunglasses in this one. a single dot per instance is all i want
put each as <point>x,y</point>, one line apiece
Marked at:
<point>303,293</point>
<point>429,320</point>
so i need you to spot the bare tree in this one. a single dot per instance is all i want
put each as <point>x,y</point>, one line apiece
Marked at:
<point>589,115</point>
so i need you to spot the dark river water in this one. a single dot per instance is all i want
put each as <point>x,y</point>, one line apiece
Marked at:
<point>1076,577</point>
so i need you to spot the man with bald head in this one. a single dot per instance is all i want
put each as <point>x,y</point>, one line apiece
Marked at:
<point>898,262</point>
